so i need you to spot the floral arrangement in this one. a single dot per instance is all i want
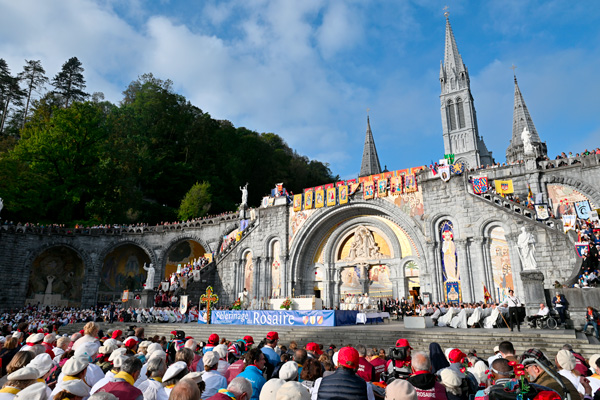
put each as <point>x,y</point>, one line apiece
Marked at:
<point>287,304</point>
<point>237,305</point>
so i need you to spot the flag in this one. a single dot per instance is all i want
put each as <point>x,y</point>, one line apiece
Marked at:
<point>369,190</point>
<point>183,303</point>
<point>529,195</point>
<point>184,282</point>
<point>410,183</point>
<point>125,296</point>
<point>196,275</point>
<point>569,222</point>
<point>582,248</point>
<point>319,198</point>
<point>164,286</point>
<point>382,187</point>
<point>450,158</point>
<point>480,185</point>
<point>486,294</point>
<point>297,202</point>
<point>331,197</point>
<point>396,186</point>
<point>541,211</point>
<point>434,168</point>
<point>458,168</point>
<point>504,187</point>
<point>445,172</point>
<point>583,209</point>
<point>308,199</point>
<point>343,194</point>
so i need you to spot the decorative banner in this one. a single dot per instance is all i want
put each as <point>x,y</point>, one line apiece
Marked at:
<point>382,187</point>
<point>569,222</point>
<point>388,175</point>
<point>414,170</point>
<point>351,181</point>
<point>319,198</point>
<point>330,197</point>
<point>125,296</point>
<point>504,187</point>
<point>403,172</point>
<point>396,185</point>
<point>583,209</point>
<point>376,177</point>
<point>582,248</point>
<point>343,195</point>
<point>594,215</point>
<point>243,224</point>
<point>369,190</point>
<point>279,188</point>
<point>480,185</point>
<point>270,201</point>
<point>184,282</point>
<point>308,199</point>
<point>541,210</point>
<point>458,168</point>
<point>328,186</point>
<point>183,303</point>
<point>297,202</point>
<point>340,183</point>
<point>410,183</point>
<point>364,179</point>
<point>352,188</point>
<point>286,318</point>
<point>450,158</point>
<point>202,317</point>
<point>444,171</point>
<point>196,275</point>
<point>317,188</point>
<point>265,202</point>
<point>453,294</point>
<point>164,286</point>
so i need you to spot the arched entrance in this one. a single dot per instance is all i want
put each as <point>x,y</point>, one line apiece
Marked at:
<point>122,269</point>
<point>412,280</point>
<point>56,278</point>
<point>182,253</point>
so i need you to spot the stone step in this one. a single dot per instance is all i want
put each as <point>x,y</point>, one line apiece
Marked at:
<point>383,336</point>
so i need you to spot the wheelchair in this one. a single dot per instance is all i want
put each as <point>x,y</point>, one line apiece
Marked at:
<point>546,322</point>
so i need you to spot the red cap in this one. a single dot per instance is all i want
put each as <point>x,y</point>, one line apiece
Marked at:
<point>312,346</point>
<point>189,337</point>
<point>213,339</point>
<point>348,357</point>
<point>456,356</point>
<point>272,336</point>
<point>403,343</point>
<point>117,333</point>
<point>248,340</point>
<point>82,332</point>
<point>131,341</point>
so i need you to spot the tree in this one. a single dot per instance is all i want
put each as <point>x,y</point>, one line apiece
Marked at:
<point>10,93</point>
<point>33,76</point>
<point>196,202</point>
<point>69,82</point>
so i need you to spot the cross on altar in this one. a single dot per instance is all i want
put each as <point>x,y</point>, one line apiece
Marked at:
<point>209,298</point>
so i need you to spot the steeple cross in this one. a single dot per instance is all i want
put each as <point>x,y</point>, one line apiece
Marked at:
<point>513,68</point>
<point>209,298</point>
<point>446,12</point>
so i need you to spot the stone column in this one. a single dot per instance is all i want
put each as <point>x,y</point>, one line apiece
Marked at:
<point>337,273</point>
<point>284,274</point>
<point>533,290</point>
<point>433,271</point>
<point>326,292</point>
<point>480,260</point>
<point>465,270</point>
<point>268,279</point>
<point>515,262</point>
<point>258,276</point>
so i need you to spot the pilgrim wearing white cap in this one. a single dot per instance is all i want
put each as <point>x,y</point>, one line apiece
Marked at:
<point>74,368</point>
<point>76,387</point>
<point>37,391</point>
<point>213,380</point>
<point>17,381</point>
<point>110,375</point>
<point>174,374</point>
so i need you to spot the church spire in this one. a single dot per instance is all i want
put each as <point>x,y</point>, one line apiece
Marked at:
<point>522,121</point>
<point>370,161</point>
<point>452,58</point>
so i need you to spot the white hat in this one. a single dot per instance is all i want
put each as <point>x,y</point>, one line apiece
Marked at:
<point>400,389</point>
<point>289,371</point>
<point>210,359</point>
<point>117,352</point>
<point>195,376</point>
<point>17,334</point>
<point>111,342</point>
<point>37,391</point>
<point>76,387</point>
<point>119,360</point>
<point>24,374</point>
<point>108,347</point>
<point>50,338</point>
<point>293,391</point>
<point>174,370</point>
<point>75,365</point>
<point>158,354</point>
<point>35,338</point>
<point>2,339</point>
<point>152,348</point>
<point>269,389</point>
<point>450,378</point>
<point>87,350</point>
<point>335,358</point>
<point>593,360</point>
<point>566,360</point>
<point>145,343</point>
<point>496,349</point>
<point>43,363</point>
<point>221,350</point>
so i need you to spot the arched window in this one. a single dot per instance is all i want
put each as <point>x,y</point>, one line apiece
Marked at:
<point>451,115</point>
<point>461,113</point>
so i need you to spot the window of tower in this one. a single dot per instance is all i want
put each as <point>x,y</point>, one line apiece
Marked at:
<point>451,115</point>
<point>461,113</point>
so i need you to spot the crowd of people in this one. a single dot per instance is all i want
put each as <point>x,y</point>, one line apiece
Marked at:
<point>97,365</point>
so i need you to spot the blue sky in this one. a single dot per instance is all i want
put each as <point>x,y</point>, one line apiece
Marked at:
<point>308,70</point>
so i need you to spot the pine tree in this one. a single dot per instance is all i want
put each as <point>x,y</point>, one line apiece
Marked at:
<point>69,82</point>
<point>10,93</point>
<point>33,76</point>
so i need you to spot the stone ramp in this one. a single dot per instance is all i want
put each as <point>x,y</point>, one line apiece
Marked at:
<point>383,335</point>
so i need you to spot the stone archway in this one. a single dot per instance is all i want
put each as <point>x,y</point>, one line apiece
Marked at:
<point>122,269</point>
<point>181,251</point>
<point>56,277</point>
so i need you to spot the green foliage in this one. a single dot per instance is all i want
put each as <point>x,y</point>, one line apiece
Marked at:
<point>196,202</point>
<point>98,163</point>
<point>69,83</point>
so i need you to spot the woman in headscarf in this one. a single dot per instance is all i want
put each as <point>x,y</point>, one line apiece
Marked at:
<point>438,359</point>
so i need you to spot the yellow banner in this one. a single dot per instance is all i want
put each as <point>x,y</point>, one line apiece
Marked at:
<point>319,198</point>
<point>330,197</point>
<point>504,187</point>
<point>308,199</point>
<point>369,190</point>
<point>343,194</point>
<point>297,202</point>
<point>382,187</point>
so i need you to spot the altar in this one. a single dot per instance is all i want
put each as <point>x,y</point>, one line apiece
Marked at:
<point>298,303</point>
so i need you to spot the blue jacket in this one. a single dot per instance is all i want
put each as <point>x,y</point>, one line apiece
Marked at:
<point>272,357</point>
<point>342,384</point>
<point>256,378</point>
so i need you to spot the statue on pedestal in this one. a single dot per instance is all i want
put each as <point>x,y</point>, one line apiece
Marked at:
<point>50,279</point>
<point>526,245</point>
<point>149,285</point>
<point>244,195</point>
